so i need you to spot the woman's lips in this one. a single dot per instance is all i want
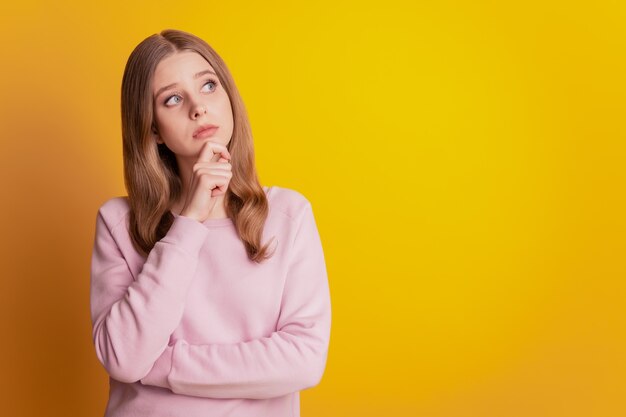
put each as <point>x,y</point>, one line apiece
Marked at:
<point>205,133</point>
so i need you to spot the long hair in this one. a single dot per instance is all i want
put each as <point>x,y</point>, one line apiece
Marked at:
<point>151,173</point>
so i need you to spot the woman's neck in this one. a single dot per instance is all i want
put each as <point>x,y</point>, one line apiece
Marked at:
<point>218,212</point>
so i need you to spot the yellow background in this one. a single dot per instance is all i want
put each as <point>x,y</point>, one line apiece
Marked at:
<point>464,159</point>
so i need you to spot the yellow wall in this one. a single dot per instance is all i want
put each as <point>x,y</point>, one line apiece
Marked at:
<point>465,161</point>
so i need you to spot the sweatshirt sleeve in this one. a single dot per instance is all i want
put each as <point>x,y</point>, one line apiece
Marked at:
<point>290,359</point>
<point>133,318</point>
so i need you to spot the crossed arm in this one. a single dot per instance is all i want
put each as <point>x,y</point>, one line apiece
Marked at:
<point>133,320</point>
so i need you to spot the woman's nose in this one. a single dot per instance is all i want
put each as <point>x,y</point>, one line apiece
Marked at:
<point>197,110</point>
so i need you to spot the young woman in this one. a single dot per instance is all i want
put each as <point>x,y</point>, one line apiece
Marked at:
<point>209,292</point>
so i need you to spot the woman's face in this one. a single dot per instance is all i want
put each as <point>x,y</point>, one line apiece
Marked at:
<point>187,96</point>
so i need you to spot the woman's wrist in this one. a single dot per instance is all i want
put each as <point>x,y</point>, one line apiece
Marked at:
<point>189,215</point>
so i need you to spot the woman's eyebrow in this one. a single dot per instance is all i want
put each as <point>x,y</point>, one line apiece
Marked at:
<point>167,87</point>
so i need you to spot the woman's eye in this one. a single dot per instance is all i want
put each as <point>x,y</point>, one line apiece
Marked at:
<point>170,99</point>
<point>211,82</point>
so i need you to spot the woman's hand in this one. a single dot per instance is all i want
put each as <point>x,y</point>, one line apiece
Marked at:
<point>210,177</point>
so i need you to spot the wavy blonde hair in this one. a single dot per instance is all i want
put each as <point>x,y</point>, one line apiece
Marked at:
<point>151,172</point>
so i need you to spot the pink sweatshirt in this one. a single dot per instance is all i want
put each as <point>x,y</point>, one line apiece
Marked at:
<point>196,329</point>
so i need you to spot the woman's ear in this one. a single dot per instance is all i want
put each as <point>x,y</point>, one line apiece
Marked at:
<point>156,136</point>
